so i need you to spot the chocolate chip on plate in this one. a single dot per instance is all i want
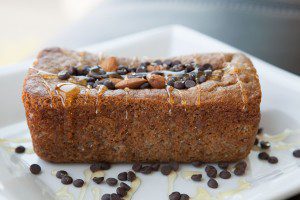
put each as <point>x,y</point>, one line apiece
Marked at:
<point>63,75</point>
<point>137,167</point>
<point>189,83</point>
<point>155,166</point>
<point>256,141</point>
<point>273,160</point>
<point>239,171</point>
<point>146,170</point>
<point>131,176</point>
<point>197,163</point>
<point>166,170</point>
<point>66,180</point>
<point>196,177</point>
<point>211,171</point>
<point>78,183</point>
<point>174,165</point>
<point>260,131</point>
<point>115,196</point>
<point>184,197</point>
<point>125,186</point>
<point>20,149</point>
<point>61,173</point>
<point>179,85</point>
<point>263,156</point>
<point>112,181</point>
<point>105,197</point>
<point>241,164</point>
<point>35,169</point>
<point>224,174</point>
<point>223,165</point>
<point>212,183</point>
<point>121,191</point>
<point>265,145</point>
<point>98,180</point>
<point>296,153</point>
<point>95,167</point>
<point>174,196</point>
<point>122,176</point>
<point>105,166</point>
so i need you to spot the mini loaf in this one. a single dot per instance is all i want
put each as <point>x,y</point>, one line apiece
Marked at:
<point>84,107</point>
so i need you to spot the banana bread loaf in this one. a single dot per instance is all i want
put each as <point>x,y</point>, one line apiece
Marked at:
<point>84,107</point>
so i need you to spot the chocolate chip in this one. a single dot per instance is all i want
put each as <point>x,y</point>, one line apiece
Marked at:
<point>296,153</point>
<point>273,160</point>
<point>179,85</point>
<point>263,156</point>
<point>61,173</point>
<point>189,83</point>
<point>115,196</point>
<point>145,85</point>
<point>122,176</point>
<point>184,197</point>
<point>260,131</point>
<point>223,165</point>
<point>95,167</point>
<point>111,181</point>
<point>146,170</point>
<point>20,149</point>
<point>158,62</point>
<point>145,64</point>
<point>35,169</point>
<point>201,79</point>
<point>105,197</point>
<point>208,72</point>
<point>224,174</point>
<point>155,166</point>
<point>207,66</point>
<point>174,196</point>
<point>197,163</point>
<point>174,165</point>
<point>241,164</point>
<point>78,183</point>
<point>239,171</point>
<point>121,191</point>
<point>166,170</point>
<point>211,171</point>
<point>98,180</point>
<point>72,71</point>
<point>141,69</point>
<point>131,176</point>
<point>83,70</point>
<point>63,75</point>
<point>256,141</point>
<point>125,186</point>
<point>212,183</point>
<point>196,177</point>
<point>265,145</point>
<point>137,167</point>
<point>189,68</point>
<point>110,85</point>
<point>66,180</point>
<point>176,62</point>
<point>105,165</point>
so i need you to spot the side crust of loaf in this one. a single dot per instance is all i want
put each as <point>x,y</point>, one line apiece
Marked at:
<point>211,122</point>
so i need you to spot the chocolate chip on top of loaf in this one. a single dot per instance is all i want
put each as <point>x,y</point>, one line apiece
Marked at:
<point>158,74</point>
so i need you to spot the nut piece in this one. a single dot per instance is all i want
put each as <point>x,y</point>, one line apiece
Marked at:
<point>151,68</point>
<point>110,64</point>
<point>132,83</point>
<point>156,81</point>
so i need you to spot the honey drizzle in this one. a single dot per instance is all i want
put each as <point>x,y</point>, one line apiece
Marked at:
<point>67,92</point>
<point>102,89</point>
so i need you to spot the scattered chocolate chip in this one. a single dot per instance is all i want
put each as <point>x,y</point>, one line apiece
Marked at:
<point>83,70</point>
<point>111,181</point>
<point>224,174</point>
<point>196,177</point>
<point>63,75</point>
<point>98,180</point>
<point>35,169</point>
<point>115,196</point>
<point>197,164</point>
<point>239,171</point>
<point>145,85</point>
<point>260,130</point>
<point>175,166</point>
<point>265,145</point>
<point>166,170</point>
<point>78,183</point>
<point>241,164</point>
<point>174,196</point>
<point>125,186</point>
<point>141,69</point>
<point>146,170</point>
<point>189,83</point>
<point>179,85</point>
<point>122,176</point>
<point>223,165</point>
<point>296,153</point>
<point>20,149</point>
<point>273,160</point>
<point>256,141</point>
<point>201,79</point>
<point>211,171</point>
<point>95,167</point>
<point>137,167</point>
<point>61,173</point>
<point>263,156</point>
<point>66,180</point>
<point>131,176</point>
<point>184,197</point>
<point>121,191</point>
<point>110,85</point>
<point>212,183</point>
<point>72,71</point>
<point>155,166</point>
<point>105,197</point>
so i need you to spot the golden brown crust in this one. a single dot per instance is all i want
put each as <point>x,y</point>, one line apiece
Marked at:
<point>214,121</point>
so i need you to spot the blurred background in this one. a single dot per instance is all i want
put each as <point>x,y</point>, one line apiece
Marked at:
<point>268,29</point>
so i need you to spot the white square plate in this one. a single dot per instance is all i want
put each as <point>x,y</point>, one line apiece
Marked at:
<point>280,111</point>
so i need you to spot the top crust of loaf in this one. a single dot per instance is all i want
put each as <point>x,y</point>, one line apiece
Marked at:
<point>238,86</point>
